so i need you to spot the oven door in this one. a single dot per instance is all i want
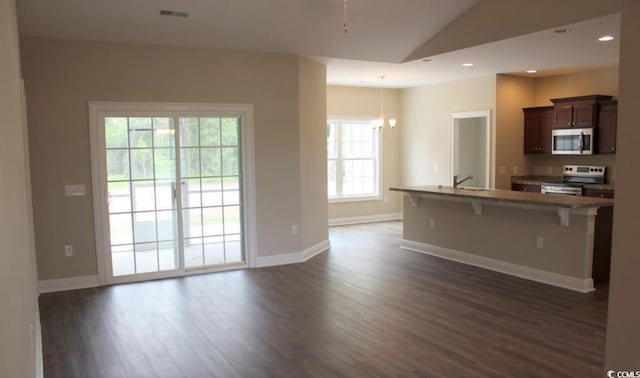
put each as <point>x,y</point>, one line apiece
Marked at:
<point>572,142</point>
<point>561,189</point>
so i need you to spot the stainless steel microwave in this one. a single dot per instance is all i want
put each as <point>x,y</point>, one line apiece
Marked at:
<point>572,142</point>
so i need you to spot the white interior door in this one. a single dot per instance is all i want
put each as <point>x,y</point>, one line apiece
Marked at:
<point>174,193</point>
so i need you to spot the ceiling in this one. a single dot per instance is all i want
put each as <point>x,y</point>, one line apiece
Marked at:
<point>379,30</point>
<point>547,52</point>
<point>382,34</point>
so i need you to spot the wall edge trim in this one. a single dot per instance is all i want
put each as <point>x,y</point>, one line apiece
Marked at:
<point>293,258</point>
<point>69,283</point>
<point>365,219</point>
<point>538,275</point>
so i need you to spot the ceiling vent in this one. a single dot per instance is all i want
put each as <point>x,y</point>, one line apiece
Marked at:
<point>169,13</point>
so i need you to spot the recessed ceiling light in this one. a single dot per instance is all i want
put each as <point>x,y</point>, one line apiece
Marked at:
<point>532,71</point>
<point>467,64</point>
<point>561,31</point>
<point>606,38</point>
<point>426,60</point>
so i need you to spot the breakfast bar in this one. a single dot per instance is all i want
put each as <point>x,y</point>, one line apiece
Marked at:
<point>541,237</point>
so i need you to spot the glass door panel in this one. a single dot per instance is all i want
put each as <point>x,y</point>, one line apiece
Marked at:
<point>141,168</point>
<point>211,197</point>
<point>167,202</point>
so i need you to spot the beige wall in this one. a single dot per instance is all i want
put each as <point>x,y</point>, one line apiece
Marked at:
<point>18,315</point>
<point>63,76</point>
<point>313,153</point>
<point>426,126</point>
<point>493,233</point>
<point>623,329</point>
<point>365,103</point>
<point>512,94</point>
<point>601,81</point>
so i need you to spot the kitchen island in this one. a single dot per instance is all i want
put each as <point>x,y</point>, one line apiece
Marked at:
<point>545,238</point>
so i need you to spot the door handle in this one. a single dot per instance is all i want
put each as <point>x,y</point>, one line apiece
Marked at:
<point>581,142</point>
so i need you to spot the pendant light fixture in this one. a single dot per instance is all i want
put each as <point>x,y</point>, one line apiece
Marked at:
<point>345,20</point>
<point>381,121</point>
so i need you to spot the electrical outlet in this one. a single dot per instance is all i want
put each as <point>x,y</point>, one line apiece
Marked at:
<point>68,250</point>
<point>294,230</point>
<point>432,223</point>
<point>502,170</point>
<point>515,169</point>
<point>540,242</point>
<point>435,168</point>
<point>386,198</point>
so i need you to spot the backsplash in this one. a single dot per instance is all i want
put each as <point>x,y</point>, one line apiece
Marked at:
<point>551,165</point>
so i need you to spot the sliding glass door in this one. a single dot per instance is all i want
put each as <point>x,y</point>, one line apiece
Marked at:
<point>174,193</point>
<point>211,195</point>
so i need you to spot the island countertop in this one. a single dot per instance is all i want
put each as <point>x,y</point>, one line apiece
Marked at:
<point>497,195</point>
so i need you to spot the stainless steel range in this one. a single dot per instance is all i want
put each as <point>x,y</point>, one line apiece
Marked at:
<point>574,177</point>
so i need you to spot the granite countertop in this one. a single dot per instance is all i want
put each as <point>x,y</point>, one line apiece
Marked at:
<point>538,180</point>
<point>497,195</point>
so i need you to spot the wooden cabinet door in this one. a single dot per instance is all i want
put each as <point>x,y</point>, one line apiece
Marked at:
<point>602,237</point>
<point>563,116</point>
<point>531,133</point>
<point>544,130</point>
<point>607,125</point>
<point>584,115</point>
<point>599,193</point>
<point>538,123</point>
<point>526,188</point>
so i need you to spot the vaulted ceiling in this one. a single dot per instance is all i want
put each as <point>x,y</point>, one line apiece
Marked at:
<point>386,37</point>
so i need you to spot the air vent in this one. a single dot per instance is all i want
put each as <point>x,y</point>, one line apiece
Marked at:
<point>169,13</point>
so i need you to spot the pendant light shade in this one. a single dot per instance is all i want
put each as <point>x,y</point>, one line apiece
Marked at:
<point>381,121</point>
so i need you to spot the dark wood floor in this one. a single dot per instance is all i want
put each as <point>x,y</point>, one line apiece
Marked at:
<point>366,308</point>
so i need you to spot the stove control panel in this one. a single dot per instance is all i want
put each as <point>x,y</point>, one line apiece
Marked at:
<point>585,170</point>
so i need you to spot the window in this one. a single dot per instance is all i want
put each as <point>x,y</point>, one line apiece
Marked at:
<point>353,152</point>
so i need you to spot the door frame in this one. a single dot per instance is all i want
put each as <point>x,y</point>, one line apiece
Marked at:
<point>486,114</point>
<point>98,110</point>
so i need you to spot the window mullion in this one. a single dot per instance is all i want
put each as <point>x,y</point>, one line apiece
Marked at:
<point>339,167</point>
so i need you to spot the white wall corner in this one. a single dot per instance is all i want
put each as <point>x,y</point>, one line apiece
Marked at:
<point>64,284</point>
<point>365,219</point>
<point>293,258</point>
<point>543,276</point>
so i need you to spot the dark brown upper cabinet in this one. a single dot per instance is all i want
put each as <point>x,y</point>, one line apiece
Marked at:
<point>577,112</point>
<point>538,123</point>
<point>607,125</point>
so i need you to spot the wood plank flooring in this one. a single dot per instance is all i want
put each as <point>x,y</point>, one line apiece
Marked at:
<point>365,308</point>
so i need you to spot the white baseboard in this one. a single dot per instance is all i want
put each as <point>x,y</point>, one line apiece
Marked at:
<point>38,344</point>
<point>365,219</point>
<point>293,258</point>
<point>543,276</point>
<point>71,283</point>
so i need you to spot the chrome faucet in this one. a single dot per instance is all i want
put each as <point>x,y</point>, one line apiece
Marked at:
<point>456,183</point>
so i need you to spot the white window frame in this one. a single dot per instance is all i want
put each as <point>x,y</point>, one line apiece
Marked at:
<point>378,168</point>
<point>97,113</point>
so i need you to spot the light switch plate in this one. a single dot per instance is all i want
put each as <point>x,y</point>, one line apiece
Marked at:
<point>74,190</point>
